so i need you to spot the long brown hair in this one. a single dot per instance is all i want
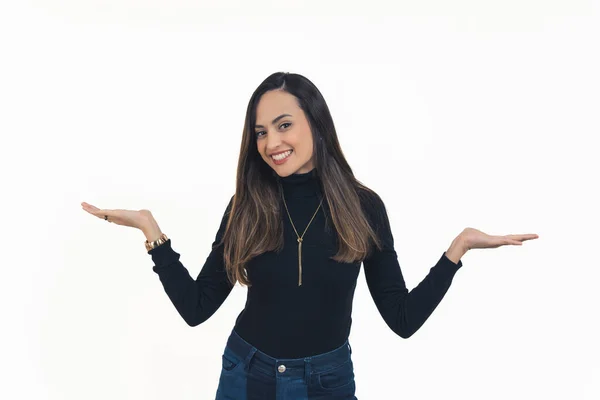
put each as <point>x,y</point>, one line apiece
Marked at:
<point>254,225</point>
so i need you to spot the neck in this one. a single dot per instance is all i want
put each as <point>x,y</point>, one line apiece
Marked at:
<point>305,184</point>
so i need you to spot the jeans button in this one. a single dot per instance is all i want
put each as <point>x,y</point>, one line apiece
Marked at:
<point>281,368</point>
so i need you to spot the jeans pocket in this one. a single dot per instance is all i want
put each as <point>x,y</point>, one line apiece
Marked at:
<point>336,378</point>
<point>229,361</point>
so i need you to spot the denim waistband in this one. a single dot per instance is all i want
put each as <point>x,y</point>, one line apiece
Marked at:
<point>256,359</point>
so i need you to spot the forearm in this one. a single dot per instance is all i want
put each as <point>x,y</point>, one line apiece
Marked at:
<point>416,306</point>
<point>195,300</point>
<point>406,311</point>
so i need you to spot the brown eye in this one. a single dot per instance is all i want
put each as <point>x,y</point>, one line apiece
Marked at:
<point>257,134</point>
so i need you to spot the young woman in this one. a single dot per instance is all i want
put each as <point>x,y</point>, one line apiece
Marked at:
<point>296,232</point>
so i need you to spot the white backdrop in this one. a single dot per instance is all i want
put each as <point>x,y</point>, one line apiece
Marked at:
<point>463,113</point>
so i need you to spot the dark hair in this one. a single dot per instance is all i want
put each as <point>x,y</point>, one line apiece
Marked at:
<point>254,211</point>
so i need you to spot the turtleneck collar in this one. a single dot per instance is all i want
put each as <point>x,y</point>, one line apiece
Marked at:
<point>301,185</point>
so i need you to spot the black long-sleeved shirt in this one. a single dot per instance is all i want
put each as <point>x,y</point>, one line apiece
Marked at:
<point>285,320</point>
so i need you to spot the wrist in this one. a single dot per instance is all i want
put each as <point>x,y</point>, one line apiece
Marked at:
<point>456,250</point>
<point>151,229</point>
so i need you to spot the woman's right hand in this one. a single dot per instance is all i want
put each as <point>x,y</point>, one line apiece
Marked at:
<point>134,219</point>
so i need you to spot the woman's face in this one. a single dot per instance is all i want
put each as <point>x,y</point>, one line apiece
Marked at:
<point>277,134</point>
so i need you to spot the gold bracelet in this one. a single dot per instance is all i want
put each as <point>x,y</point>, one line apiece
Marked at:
<point>151,245</point>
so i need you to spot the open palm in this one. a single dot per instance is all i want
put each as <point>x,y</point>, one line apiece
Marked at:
<point>132,218</point>
<point>475,239</point>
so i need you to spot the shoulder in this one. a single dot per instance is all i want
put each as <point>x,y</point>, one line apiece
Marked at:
<point>228,210</point>
<point>372,204</point>
<point>370,199</point>
<point>230,204</point>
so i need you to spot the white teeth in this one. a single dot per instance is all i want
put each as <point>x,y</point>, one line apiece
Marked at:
<point>281,156</point>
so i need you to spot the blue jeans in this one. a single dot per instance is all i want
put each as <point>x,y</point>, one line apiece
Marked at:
<point>249,374</point>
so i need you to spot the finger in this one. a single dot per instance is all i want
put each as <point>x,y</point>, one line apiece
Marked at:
<point>512,242</point>
<point>100,213</point>
<point>106,214</point>
<point>528,236</point>
<point>90,208</point>
<point>88,205</point>
<point>92,211</point>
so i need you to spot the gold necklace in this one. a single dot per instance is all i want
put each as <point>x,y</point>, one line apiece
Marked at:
<point>300,238</point>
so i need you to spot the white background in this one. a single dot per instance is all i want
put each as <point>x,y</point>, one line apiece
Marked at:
<point>462,113</point>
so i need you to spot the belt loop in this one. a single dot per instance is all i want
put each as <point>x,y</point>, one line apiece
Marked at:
<point>307,370</point>
<point>349,348</point>
<point>249,358</point>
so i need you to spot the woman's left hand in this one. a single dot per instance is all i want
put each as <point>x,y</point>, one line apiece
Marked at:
<point>475,239</point>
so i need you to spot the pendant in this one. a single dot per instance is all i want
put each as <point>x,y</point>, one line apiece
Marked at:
<point>299,261</point>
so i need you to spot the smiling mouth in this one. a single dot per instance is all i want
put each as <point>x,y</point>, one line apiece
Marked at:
<point>282,156</point>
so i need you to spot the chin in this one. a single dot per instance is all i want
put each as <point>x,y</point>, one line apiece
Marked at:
<point>283,174</point>
<point>284,170</point>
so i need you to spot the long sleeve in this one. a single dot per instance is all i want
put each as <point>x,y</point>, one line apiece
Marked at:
<point>403,311</point>
<point>195,300</point>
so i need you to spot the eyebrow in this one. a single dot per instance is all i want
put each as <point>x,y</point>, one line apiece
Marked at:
<point>274,121</point>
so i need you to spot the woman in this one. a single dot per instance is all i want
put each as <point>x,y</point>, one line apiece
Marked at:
<point>296,232</point>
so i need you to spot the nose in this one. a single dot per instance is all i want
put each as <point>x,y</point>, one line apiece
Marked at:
<point>273,142</point>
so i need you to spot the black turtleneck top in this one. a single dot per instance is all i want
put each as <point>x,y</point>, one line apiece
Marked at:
<point>285,320</point>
